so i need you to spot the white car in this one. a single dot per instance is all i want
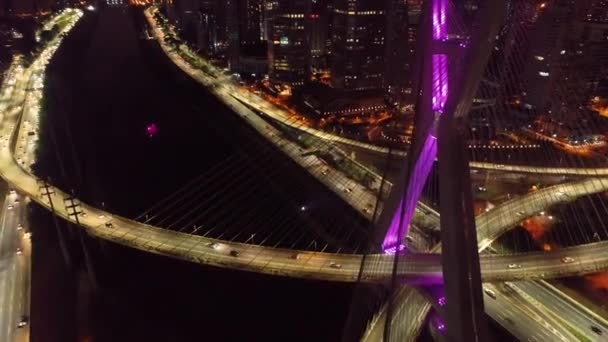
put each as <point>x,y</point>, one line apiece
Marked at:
<point>334,265</point>
<point>511,266</point>
<point>490,293</point>
<point>9,207</point>
<point>567,260</point>
<point>214,245</point>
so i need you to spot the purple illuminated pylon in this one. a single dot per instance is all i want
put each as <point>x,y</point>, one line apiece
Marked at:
<point>440,31</point>
<point>422,167</point>
<point>440,82</point>
<point>404,212</point>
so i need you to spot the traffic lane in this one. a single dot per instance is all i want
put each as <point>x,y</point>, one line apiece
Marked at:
<point>521,318</point>
<point>563,309</point>
<point>407,318</point>
<point>10,289</point>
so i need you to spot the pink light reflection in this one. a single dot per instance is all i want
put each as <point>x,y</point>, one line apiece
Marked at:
<point>151,130</point>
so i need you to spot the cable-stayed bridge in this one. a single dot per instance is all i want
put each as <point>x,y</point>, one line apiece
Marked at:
<point>412,268</point>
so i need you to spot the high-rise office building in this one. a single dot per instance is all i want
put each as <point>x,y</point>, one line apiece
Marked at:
<point>268,8</point>
<point>547,41</point>
<point>288,48</point>
<point>207,40</point>
<point>243,22</point>
<point>590,35</point>
<point>250,21</point>
<point>358,44</point>
<point>402,27</point>
<point>319,33</point>
<point>232,33</point>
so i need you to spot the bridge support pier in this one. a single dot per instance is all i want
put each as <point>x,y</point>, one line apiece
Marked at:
<point>73,209</point>
<point>464,314</point>
<point>63,244</point>
<point>88,261</point>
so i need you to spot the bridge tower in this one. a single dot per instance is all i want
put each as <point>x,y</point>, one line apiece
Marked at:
<point>450,64</point>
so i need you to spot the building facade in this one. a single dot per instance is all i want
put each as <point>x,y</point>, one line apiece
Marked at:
<point>358,44</point>
<point>288,47</point>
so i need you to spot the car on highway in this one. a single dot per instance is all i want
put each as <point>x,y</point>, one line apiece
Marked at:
<point>596,330</point>
<point>23,321</point>
<point>12,191</point>
<point>214,245</point>
<point>16,201</point>
<point>9,207</point>
<point>235,253</point>
<point>348,190</point>
<point>109,225</point>
<point>295,256</point>
<point>19,226</point>
<point>19,251</point>
<point>490,293</point>
<point>334,265</point>
<point>511,266</point>
<point>567,260</point>
<point>521,213</point>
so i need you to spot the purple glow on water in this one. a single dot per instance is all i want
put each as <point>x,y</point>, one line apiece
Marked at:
<point>440,82</point>
<point>404,211</point>
<point>151,130</point>
<point>439,25</point>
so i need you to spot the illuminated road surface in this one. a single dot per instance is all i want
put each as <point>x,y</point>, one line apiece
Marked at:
<point>15,258</point>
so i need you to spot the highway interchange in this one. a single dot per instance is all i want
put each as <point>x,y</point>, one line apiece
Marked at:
<point>544,329</point>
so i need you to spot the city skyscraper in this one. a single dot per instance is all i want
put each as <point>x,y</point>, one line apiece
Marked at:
<point>548,35</point>
<point>319,32</point>
<point>250,21</point>
<point>402,26</point>
<point>289,48</point>
<point>358,44</point>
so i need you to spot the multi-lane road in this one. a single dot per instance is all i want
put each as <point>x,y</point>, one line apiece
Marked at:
<point>15,261</point>
<point>20,97</point>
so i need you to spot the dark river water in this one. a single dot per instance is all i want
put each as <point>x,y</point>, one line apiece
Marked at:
<point>104,86</point>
